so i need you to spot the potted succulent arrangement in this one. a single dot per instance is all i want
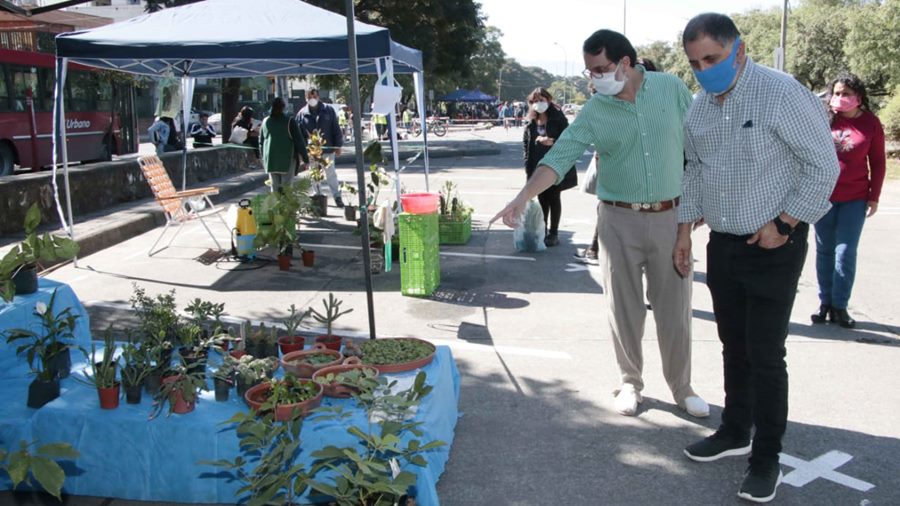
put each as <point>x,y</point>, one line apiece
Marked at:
<point>290,341</point>
<point>455,220</point>
<point>289,398</point>
<point>135,368</point>
<point>284,208</point>
<point>341,380</point>
<point>261,342</point>
<point>251,371</point>
<point>306,362</point>
<point>350,193</point>
<point>40,464</point>
<point>224,377</point>
<point>103,373</point>
<point>180,389</point>
<point>330,314</point>
<point>18,268</point>
<point>317,165</point>
<point>396,354</point>
<point>55,340</point>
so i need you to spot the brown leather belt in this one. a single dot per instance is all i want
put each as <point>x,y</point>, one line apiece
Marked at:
<point>645,207</point>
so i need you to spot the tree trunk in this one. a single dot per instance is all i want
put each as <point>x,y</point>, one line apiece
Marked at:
<point>231,94</point>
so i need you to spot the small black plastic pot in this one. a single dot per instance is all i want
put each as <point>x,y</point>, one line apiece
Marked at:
<point>132,393</point>
<point>153,381</point>
<point>223,387</point>
<point>41,392</point>
<point>26,280</point>
<point>61,363</point>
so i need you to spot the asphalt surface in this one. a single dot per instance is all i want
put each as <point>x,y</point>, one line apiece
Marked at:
<point>530,338</point>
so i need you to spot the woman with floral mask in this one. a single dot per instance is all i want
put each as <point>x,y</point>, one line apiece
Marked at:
<point>545,123</point>
<point>859,141</point>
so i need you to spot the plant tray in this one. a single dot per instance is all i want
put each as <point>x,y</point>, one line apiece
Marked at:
<point>406,366</point>
<point>455,232</point>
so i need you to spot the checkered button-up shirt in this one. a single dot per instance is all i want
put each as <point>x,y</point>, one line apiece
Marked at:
<point>766,150</point>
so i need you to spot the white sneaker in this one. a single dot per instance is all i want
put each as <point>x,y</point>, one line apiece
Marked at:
<point>627,400</point>
<point>695,406</point>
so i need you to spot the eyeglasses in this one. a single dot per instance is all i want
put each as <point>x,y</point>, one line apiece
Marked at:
<point>591,73</point>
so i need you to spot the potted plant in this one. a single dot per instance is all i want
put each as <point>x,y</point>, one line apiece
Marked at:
<point>223,378</point>
<point>350,193</point>
<point>251,371</point>
<point>285,208</point>
<point>317,165</point>
<point>136,366</point>
<point>18,268</point>
<point>341,381</point>
<point>396,355</point>
<point>180,390</point>
<point>159,356</point>
<point>54,341</point>
<point>291,341</point>
<point>289,398</point>
<point>308,256</point>
<point>331,313</point>
<point>103,373</point>
<point>306,362</point>
<point>22,465</point>
<point>455,219</point>
<point>260,343</point>
<point>158,322</point>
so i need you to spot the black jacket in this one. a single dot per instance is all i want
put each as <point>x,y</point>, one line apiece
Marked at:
<point>534,152</point>
<point>325,119</point>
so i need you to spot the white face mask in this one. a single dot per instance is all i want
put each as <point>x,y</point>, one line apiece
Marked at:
<point>313,102</point>
<point>608,85</point>
<point>540,107</point>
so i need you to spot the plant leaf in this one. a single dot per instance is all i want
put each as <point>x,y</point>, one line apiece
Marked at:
<point>58,451</point>
<point>49,475</point>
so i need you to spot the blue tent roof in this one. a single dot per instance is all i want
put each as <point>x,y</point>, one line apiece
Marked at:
<point>467,96</point>
<point>231,38</point>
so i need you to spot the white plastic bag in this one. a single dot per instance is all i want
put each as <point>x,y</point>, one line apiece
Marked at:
<point>238,135</point>
<point>589,182</point>
<point>384,98</point>
<point>529,235</point>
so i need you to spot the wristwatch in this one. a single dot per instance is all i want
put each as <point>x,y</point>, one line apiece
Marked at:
<point>782,226</point>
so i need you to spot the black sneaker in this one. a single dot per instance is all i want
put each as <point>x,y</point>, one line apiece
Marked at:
<point>551,240</point>
<point>338,202</point>
<point>761,482</point>
<point>717,446</point>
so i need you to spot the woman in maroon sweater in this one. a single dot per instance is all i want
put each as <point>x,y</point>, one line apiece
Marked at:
<point>859,140</point>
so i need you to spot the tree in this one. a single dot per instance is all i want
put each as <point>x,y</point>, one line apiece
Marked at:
<point>873,44</point>
<point>487,63</point>
<point>660,52</point>
<point>816,50</point>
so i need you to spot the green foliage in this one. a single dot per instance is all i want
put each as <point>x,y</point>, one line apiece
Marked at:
<point>294,319</point>
<point>815,54</point>
<point>206,315</point>
<point>266,465</point>
<point>57,334</point>
<point>873,44</point>
<point>394,351</point>
<point>158,315</point>
<point>32,250</point>
<point>331,312</point>
<point>378,177</point>
<point>135,363</point>
<point>189,382</point>
<point>890,116</point>
<point>290,390</point>
<point>103,372</point>
<point>23,465</point>
<point>252,370</point>
<point>349,192</point>
<point>285,208</point>
<point>452,208</point>
<point>369,472</point>
<point>227,370</point>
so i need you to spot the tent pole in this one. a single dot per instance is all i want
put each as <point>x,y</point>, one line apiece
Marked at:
<point>59,134</point>
<point>419,81</point>
<point>360,165</point>
<point>187,97</point>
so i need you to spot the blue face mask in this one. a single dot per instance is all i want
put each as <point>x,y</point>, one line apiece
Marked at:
<point>718,78</point>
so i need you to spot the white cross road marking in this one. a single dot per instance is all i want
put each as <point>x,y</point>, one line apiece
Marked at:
<point>576,267</point>
<point>822,467</point>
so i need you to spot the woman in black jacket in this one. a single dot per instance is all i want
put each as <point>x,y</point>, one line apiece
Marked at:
<point>545,123</point>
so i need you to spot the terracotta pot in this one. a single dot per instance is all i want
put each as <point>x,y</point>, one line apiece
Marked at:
<point>309,257</point>
<point>291,343</point>
<point>284,262</point>
<point>406,366</point>
<point>237,354</point>
<point>179,405</point>
<point>335,389</point>
<point>109,397</point>
<point>293,362</point>
<point>330,342</point>
<point>256,396</point>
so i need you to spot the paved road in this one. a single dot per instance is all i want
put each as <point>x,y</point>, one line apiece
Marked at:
<point>530,339</point>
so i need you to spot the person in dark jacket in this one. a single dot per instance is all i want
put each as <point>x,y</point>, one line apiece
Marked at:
<point>319,116</point>
<point>244,119</point>
<point>545,123</point>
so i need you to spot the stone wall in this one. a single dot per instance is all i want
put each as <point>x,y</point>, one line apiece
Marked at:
<point>98,186</point>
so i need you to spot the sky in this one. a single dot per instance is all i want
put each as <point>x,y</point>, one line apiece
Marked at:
<point>552,40</point>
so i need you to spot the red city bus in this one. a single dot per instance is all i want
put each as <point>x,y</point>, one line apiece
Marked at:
<point>93,118</point>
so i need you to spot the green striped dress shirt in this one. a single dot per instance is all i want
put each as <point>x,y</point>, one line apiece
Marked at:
<point>641,144</point>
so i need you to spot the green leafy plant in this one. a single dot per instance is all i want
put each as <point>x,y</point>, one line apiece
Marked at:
<point>267,463</point>
<point>158,316</point>
<point>284,208</point>
<point>294,319</point>
<point>136,363</point>
<point>331,312</point>
<point>188,335</point>
<point>349,192</point>
<point>316,358</point>
<point>31,251</point>
<point>227,370</point>
<point>451,206</point>
<point>368,473</point>
<point>252,370</point>
<point>207,315</point>
<point>315,147</point>
<point>290,390</point>
<point>378,177</point>
<point>24,464</point>
<point>103,372</point>
<point>187,381</point>
<point>394,351</point>
<point>56,335</point>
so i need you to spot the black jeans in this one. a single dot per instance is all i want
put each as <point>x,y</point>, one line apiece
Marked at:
<point>753,292</point>
<point>551,204</point>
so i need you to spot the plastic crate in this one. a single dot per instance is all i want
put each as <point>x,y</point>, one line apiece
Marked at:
<point>419,255</point>
<point>455,232</point>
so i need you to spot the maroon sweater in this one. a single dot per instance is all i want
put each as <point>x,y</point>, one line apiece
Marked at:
<point>860,150</point>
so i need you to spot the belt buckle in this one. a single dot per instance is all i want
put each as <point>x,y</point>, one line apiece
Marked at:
<point>645,206</point>
<point>635,206</point>
<point>656,206</point>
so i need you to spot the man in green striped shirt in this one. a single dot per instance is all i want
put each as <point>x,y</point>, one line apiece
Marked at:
<point>635,124</point>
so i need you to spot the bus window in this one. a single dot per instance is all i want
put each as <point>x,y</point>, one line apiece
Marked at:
<point>23,78</point>
<point>43,101</point>
<point>4,90</point>
<point>81,91</point>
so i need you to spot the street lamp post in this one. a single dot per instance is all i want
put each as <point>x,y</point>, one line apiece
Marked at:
<point>565,69</point>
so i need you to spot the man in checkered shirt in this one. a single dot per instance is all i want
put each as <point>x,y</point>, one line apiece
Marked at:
<point>761,166</point>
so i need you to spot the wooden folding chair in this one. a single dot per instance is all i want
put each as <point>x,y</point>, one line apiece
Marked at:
<point>177,204</point>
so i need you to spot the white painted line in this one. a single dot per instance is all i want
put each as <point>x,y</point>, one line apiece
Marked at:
<point>822,467</point>
<point>327,246</point>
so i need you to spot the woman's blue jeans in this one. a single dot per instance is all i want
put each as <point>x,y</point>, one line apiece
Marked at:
<point>837,237</point>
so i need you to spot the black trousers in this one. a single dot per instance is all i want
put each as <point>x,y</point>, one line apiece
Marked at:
<point>753,292</point>
<point>551,203</point>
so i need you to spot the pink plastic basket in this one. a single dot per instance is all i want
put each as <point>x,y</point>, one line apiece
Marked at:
<point>420,203</point>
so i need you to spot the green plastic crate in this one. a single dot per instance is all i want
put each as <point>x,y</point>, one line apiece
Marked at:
<point>419,255</point>
<point>455,232</point>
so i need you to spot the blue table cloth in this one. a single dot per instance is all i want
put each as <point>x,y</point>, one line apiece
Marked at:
<point>126,456</point>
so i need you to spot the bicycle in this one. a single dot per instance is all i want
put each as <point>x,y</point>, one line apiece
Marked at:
<point>435,126</point>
